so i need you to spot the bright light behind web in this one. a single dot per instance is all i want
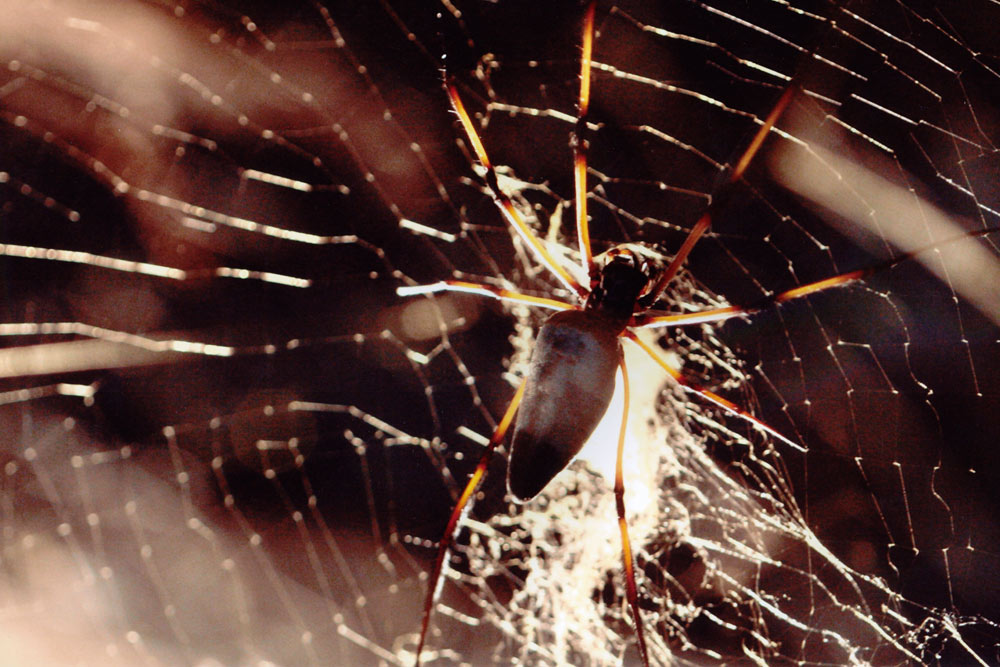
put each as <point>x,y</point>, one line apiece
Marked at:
<point>239,404</point>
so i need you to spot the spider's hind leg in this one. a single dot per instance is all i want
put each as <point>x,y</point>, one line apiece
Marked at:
<point>436,581</point>
<point>631,591</point>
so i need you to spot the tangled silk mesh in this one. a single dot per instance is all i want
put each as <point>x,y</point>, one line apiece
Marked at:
<point>227,440</point>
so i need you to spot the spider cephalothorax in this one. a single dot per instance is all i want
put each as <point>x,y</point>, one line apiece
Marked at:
<point>622,277</point>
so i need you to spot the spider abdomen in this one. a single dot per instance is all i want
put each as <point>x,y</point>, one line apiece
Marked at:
<point>570,383</point>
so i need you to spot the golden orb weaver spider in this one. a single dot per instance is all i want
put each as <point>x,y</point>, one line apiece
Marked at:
<point>578,352</point>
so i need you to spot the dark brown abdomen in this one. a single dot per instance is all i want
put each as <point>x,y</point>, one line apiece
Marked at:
<point>570,383</point>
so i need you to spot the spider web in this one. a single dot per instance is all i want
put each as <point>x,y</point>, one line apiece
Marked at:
<point>228,441</point>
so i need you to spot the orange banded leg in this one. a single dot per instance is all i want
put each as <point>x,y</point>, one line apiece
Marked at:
<point>485,290</point>
<point>631,592</point>
<point>437,582</point>
<point>712,397</point>
<point>720,314</point>
<point>504,203</point>
<point>581,144</point>
<point>705,221</point>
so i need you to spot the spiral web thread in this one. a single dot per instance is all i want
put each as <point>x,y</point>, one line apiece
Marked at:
<point>229,441</point>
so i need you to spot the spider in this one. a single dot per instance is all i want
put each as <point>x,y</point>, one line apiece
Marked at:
<point>578,352</point>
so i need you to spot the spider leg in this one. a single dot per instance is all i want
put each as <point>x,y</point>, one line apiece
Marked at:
<point>581,144</point>
<point>484,290</point>
<point>705,221</point>
<point>719,314</point>
<point>504,203</point>
<point>437,582</point>
<point>713,398</point>
<point>650,320</point>
<point>630,588</point>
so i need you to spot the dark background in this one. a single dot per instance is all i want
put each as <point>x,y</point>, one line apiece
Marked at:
<point>891,384</point>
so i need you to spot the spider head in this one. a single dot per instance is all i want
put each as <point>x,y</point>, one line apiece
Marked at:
<point>624,273</point>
